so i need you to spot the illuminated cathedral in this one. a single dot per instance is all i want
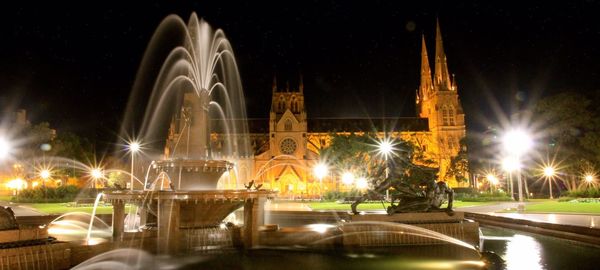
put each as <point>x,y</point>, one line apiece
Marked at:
<point>286,150</point>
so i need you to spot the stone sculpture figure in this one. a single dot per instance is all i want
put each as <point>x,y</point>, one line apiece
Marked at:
<point>7,219</point>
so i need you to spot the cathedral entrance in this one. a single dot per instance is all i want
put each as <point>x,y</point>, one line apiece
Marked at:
<point>289,186</point>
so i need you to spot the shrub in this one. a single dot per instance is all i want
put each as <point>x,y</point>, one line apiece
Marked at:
<point>47,194</point>
<point>584,193</point>
<point>340,195</point>
<point>482,197</point>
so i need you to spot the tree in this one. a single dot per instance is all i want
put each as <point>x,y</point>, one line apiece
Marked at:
<point>571,127</point>
<point>459,164</point>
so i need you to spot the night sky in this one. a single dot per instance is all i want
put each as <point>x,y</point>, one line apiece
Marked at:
<point>73,65</point>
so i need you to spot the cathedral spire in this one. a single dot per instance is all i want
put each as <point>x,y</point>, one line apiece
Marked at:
<point>301,84</point>
<point>426,84</point>
<point>442,77</point>
<point>274,87</point>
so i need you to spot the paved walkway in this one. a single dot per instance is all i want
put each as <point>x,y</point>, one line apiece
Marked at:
<point>584,220</point>
<point>21,210</point>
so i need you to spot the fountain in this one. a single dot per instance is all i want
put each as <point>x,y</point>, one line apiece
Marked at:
<point>180,195</point>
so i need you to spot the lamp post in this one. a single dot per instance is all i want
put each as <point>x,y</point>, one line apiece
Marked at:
<point>133,148</point>
<point>385,149</point>
<point>510,164</point>
<point>321,171</point>
<point>549,172</point>
<point>516,143</point>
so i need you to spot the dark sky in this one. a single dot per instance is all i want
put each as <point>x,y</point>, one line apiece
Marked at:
<point>74,64</point>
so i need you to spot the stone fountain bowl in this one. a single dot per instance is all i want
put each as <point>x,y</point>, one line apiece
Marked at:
<point>192,175</point>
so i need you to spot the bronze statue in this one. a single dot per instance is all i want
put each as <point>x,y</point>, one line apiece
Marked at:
<point>414,187</point>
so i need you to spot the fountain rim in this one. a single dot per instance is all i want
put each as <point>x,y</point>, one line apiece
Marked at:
<point>183,195</point>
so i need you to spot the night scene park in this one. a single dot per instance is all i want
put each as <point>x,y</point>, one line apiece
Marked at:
<point>300,135</point>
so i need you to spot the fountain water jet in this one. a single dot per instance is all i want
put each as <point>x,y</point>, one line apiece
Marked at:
<point>199,73</point>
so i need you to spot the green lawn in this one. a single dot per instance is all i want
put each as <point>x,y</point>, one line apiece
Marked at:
<point>553,206</point>
<point>61,208</point>
<point>375,206</point>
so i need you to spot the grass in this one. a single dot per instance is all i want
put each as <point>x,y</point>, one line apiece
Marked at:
<point>5,198</point>
<point>376,206</point>
<point>553,206</point>
<point>61,208</point>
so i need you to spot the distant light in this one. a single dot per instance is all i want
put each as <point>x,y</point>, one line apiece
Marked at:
<point>361,183</point>
<point>321,170</point>
<point>517,142</point>
<point>347,178</point>
<point>34,184</point>
<point>45,174</point>
<point>97,173</point>
<point>589,178</point>
<point>5,148</point>
<point>549,171</point>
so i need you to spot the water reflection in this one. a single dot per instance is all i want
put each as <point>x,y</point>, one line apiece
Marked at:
<point>523,252</point>
<point>530,251</point>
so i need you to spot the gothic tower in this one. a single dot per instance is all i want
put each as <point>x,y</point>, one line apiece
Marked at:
<point>287,121</point>
<point>437,100</point>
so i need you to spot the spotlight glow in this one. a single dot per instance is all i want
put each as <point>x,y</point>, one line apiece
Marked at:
<point>549,171</point>
<point>321,170</point>
<point>510,164</point>
<point>589,178</point>
<point>45,174</point>
<point>361,183</point>
<point>134,146</point>
<point>517,142</point>
<point>492,179</point>
<point>97,173</point>
<point>347,178</point>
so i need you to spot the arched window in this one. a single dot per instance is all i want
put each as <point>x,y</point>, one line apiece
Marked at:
<point>288,125</point>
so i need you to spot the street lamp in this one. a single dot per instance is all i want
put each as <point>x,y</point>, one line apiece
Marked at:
<point>134,146</point>
<point>517,142</point>
<point>321,171</point>
<point>589,178</point>
<point>510,164</point>
<point>96,173</point>
<point>385,149</point>
<point>549,172</point>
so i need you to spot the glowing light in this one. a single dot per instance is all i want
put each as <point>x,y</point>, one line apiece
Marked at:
<point>385,147</point>
<point>361,183</point>
<point>134,146</point>
<point>517,142</point>
<point>492,179</point>
<point>97,173</point>
<point>34,184</point>
<point>45,174</point>
<point>549,171</point>
<point>5,148</point>
<point>17,184</point>
<point>347,178</point>
<point>320,228</point>
<point>321,170</point>
<point>589,178</point>
<point>510,164</point>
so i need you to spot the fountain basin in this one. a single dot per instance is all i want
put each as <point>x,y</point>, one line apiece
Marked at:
<point>191,174</point>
